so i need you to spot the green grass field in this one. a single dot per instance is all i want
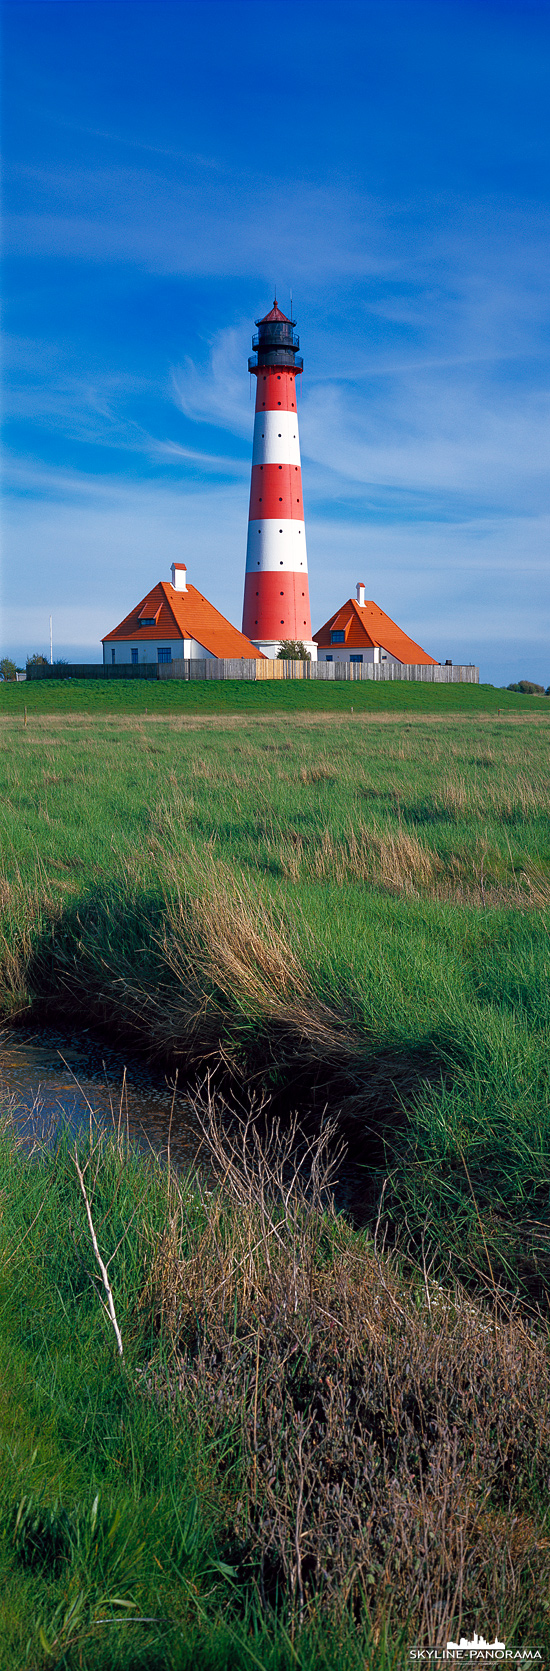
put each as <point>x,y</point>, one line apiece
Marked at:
<point>352,906</point>
<point>41,696</point>
<point>348,910</point>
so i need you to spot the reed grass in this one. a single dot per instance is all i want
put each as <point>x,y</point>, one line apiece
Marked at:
<point>309,1453</point>
<point>349,914</point>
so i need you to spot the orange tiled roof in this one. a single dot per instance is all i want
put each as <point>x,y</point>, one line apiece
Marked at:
<point>182,615</point>
<point>366,627</point>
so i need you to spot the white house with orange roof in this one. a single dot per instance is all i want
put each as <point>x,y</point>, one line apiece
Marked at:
<point>360,632</point>
<point>174,621</point>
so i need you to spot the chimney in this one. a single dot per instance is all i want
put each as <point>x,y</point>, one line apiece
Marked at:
<point>179,577</point>
<point>360,589</point>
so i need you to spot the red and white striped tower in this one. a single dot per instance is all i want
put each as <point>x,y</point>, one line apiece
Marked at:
<point>276,591</point>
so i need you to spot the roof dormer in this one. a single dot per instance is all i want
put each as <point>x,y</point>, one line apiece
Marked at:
<point>145,618</point>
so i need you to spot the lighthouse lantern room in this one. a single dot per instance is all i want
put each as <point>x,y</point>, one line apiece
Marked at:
<point>276,592</point>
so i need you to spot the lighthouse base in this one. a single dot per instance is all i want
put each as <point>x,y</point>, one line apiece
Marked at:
<point>270,647</point>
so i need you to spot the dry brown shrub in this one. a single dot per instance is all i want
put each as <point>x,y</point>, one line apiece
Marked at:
<point>392,1437</point>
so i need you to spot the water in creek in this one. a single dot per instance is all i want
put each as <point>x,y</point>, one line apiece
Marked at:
<point>50,1080</point>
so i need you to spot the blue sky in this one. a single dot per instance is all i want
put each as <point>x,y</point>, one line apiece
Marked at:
<point>168,164</point>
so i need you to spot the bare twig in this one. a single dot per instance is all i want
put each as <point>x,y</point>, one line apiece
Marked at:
<point>171,1118</point>
<point>102,1266</point>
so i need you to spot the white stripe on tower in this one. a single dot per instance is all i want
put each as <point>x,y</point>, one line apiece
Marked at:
<point>276,597</point>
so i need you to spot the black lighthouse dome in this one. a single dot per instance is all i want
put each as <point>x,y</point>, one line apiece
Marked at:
<point>275,342</point>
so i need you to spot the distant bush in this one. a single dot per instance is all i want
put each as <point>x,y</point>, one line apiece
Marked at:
<point>292,649</point>
<point>527,688</point>
<point>37,661</point>
<point>7,668</point>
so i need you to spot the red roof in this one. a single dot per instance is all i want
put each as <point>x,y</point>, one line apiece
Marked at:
<point>367,627</point>
<point>182,615</point>
<point>275,314</point>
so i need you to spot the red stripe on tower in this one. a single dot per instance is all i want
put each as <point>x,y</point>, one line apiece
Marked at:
<point>276,590</point>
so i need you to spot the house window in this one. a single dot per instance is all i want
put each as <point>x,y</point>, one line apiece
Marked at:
<point>113,657</point>
<point>329,658</point>
<point>356,658</point>
<point>164,655</point>
<point>338,638</point>
<point>134,657</point>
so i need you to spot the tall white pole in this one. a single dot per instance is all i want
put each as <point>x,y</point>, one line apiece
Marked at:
<point>51,643</point>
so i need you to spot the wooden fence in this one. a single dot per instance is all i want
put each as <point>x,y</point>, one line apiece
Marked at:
<point>244,668</point>
<point>249,668</point>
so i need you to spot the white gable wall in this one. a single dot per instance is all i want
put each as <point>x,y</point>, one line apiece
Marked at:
<point>147,650</point>
<point>344,652</point>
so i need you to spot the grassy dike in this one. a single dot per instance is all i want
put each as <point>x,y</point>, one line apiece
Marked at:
<point>348,911</point>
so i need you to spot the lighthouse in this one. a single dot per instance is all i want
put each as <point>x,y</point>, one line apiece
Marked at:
<point>276,591</point>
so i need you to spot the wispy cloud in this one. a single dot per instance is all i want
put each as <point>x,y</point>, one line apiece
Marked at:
<point>433,433</point>
<point>216,392</point>
<point>179,221</point>
<point>97,411</point>
<point>444,429</point>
